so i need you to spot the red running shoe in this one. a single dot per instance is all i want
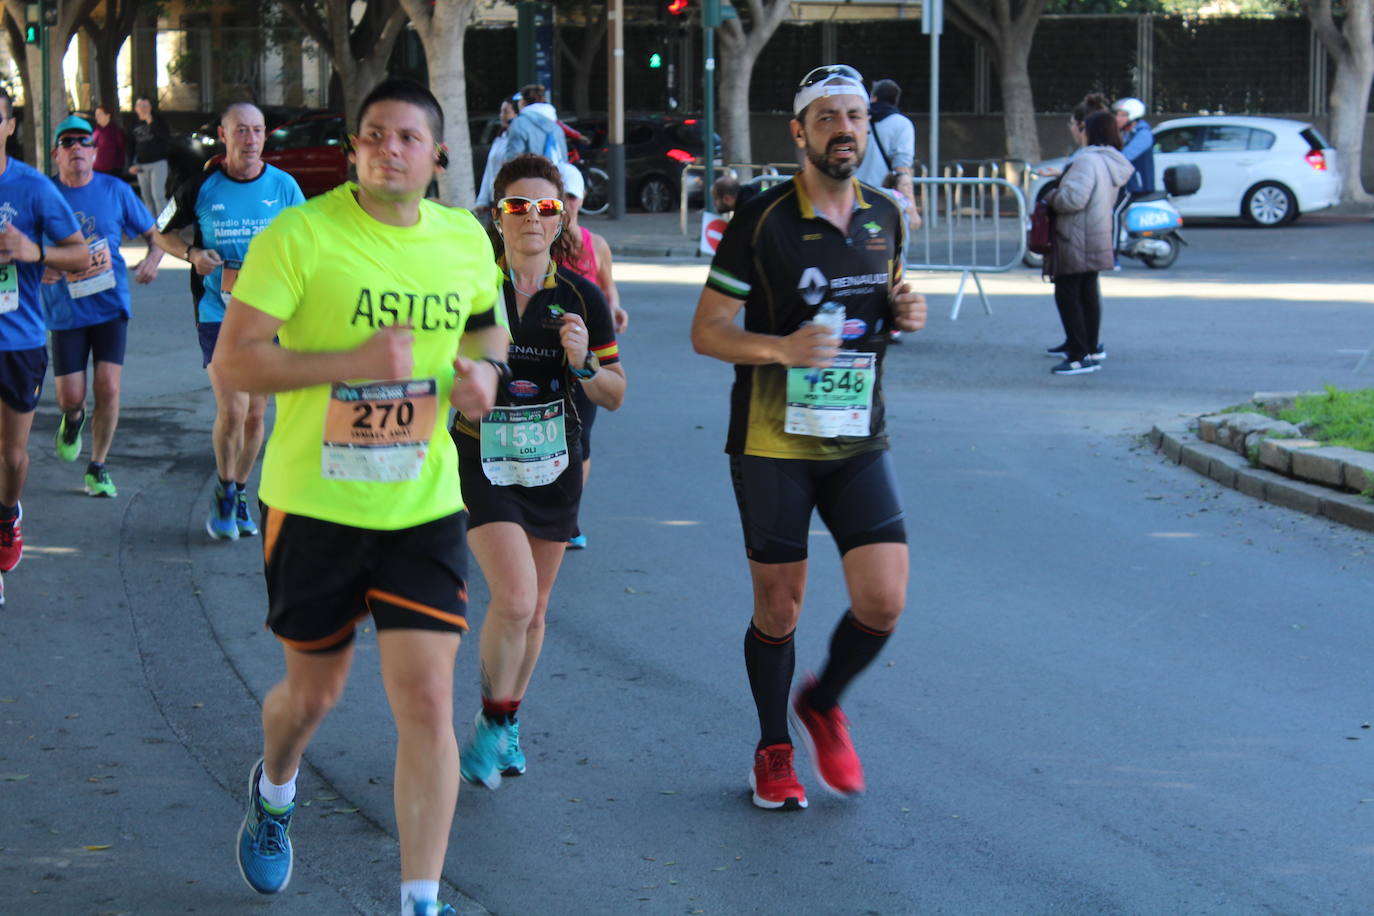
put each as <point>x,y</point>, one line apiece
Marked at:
<point>827,742</point>
<point>773,779</point>
<point>11,542</point>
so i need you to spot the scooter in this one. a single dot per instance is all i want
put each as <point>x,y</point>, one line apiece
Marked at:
<point>1149,229</point>
<point>1148,221</point>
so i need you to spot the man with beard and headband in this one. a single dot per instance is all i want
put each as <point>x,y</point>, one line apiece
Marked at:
<point>815,264</point>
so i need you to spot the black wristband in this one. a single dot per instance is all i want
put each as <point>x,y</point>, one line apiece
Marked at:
<point>503,373</point>
<point>42,250</point>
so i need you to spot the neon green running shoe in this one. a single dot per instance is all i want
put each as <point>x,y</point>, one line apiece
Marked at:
<point>69,441</point>
<point>98,483</point>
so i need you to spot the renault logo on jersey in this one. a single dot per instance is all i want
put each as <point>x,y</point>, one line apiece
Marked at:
<point>813,285</point>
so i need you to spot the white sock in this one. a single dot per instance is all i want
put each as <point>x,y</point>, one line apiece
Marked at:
<point>413,892</point>
<point>275,795</point>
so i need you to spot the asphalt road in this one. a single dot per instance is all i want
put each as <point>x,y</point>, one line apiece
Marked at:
<point>1119,688</point>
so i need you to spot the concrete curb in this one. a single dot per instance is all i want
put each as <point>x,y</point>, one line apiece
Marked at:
<point>652,250</point>
<point>1178,443</point>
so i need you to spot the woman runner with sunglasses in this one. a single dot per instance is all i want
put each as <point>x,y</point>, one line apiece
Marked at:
<point>520,465</point>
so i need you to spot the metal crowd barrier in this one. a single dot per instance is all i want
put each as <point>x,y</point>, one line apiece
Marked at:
<point>972,225</point>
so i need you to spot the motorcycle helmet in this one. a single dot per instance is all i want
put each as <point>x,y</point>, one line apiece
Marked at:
<point>1134,108</point>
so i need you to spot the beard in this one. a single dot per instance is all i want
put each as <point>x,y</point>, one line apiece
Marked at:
<point>832,168</point>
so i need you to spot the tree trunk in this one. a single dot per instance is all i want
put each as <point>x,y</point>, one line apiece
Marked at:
<point>442,28</point>
<point>581,61</point>
<point>1352,48</point>
<point>358,54</point>
<point>737,51</point>
<point>736,73</point>
<point>1018,104</point>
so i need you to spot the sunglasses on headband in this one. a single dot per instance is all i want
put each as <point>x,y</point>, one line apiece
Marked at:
<point>821,74</point>
<point>519,206</point>
<point>69,142</point>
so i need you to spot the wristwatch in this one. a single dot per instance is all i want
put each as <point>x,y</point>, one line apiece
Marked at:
<point>589,367</point>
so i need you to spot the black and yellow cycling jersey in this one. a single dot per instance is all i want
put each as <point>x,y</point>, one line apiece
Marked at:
<point>785,261</point>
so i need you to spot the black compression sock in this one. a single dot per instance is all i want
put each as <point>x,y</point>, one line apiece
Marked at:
<point>770,662</point>
<point>852,647</point>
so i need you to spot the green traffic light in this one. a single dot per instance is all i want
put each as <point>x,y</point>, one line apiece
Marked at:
<point>31,35</point>
<point>655,61</point>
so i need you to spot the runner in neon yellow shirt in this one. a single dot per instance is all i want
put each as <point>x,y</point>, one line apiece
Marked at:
<point>371,290</point>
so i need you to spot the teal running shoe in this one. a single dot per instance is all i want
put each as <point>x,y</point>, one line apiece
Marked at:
<point>511,759</point>
<point>68,440</point>
<point>434,909</point>
<point>222,525</point>
<point>264,847</point>
<point>481,757</point>
<point>98,483</point>
<point>244,521</point>
<point>577,542</point>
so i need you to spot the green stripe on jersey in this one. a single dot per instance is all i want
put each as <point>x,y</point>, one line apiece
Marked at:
<point>728,283</point>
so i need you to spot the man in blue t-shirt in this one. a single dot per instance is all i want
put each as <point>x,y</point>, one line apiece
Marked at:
<point>37,229</point>
<point>88,310</point>
<point>226,206</point>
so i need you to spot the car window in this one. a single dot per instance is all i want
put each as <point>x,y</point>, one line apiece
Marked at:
<point>300,135</point>
<point>1261,139</point>
<point>1315,139</point>
<point>637,133</point>
<point>1176,140</point>
<point>1222,138</point>
<point>334,133</point>
<point>687,134</point>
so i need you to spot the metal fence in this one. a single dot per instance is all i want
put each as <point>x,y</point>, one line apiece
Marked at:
<point>970,225</point>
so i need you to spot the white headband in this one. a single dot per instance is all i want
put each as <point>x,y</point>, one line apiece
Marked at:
<point>836,85</point>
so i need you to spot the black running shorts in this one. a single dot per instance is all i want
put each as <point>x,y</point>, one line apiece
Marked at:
<point>857,498</point>
<point>323,578</point>
<point>548,512</point>
<point>21,377</point>
<point>104,343</point>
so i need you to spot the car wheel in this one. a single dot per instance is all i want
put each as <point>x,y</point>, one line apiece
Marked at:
<point>598,197</point>
<point>1269,204</point>
<point>656,195</point>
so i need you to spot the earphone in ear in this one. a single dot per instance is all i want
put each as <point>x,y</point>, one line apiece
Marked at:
<point>441,159</point>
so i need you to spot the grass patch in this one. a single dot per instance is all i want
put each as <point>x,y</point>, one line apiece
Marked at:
<point>1336,417</point>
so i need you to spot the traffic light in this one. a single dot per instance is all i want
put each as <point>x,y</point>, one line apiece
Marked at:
<point>678,7</point>
<point>31,19</point>
<point>655,61</point>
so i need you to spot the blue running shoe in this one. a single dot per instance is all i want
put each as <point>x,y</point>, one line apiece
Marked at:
<point>434,909</point>
<point>222,525</point>
<point>264,847</point>
<point>481,756</point>
<point>511,759</point>
<point>244,521</point>
<point>577,542</point>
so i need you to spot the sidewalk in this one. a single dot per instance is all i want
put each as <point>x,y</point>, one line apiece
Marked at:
<point>647,235</point>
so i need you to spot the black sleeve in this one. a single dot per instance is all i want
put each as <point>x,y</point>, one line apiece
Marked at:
<point>181,209</point>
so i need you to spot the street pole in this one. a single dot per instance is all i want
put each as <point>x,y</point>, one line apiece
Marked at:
<point>933,23</point>
<point>41,141</point>
<point>710,18</point>
<point>615,109</point>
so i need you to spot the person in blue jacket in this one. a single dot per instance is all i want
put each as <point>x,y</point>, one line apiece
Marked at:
<point>1139,148</point>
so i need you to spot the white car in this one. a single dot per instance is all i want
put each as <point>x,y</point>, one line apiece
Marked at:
<point>1268,170</point>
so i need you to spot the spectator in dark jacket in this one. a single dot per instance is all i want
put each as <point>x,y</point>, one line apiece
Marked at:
<point>152,141</point>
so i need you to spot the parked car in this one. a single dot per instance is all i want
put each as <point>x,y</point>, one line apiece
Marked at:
<point>656,149</point>
<point>311,150</point>
<point>1266,170</point>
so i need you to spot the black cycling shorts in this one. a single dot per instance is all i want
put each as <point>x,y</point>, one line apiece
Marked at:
<point>857,498</point>
<point>104,342</point>
<point>548,512</point>
<point>21,378</point>
<point>324,578</point>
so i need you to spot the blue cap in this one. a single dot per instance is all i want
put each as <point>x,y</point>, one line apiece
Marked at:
<point>70,123</point>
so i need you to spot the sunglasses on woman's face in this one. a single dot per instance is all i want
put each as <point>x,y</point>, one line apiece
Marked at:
<point>520,206</point>
<point>69,142</point>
